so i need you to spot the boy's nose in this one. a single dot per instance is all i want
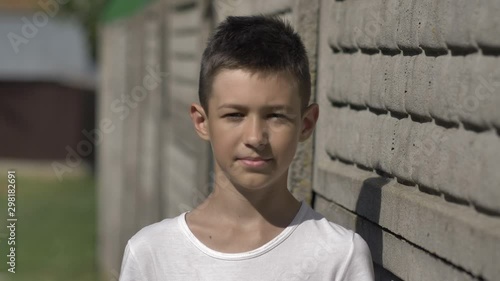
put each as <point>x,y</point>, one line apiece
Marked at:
<point>256,134</point>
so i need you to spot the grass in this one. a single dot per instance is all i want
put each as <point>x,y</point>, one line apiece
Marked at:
<point>55,229</point>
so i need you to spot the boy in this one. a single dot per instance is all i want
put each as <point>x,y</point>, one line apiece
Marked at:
<point>254,92</point>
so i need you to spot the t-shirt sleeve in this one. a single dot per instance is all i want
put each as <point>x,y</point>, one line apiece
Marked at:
<point>359,265</point>
<point>130,270</point>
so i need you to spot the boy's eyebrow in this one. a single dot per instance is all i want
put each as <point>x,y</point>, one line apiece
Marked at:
<point>239,106</point>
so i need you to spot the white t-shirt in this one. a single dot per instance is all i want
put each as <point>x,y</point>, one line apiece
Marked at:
<point>310,248</point>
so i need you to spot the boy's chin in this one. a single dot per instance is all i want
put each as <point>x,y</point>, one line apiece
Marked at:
<point>253,183</point>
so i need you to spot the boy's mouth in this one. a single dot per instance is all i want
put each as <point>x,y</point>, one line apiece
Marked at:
<point>254,161</point>
<point>255,158</point>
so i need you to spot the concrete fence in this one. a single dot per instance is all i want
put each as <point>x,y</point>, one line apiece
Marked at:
<point>407,148</point>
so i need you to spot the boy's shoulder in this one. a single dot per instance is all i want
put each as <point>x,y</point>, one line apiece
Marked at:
<point>335,240</point>
<point>156,233</point>
<point>315,223</point>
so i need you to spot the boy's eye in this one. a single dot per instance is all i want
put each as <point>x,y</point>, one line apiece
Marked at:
<point>233,116</point>
<point>277,115</point>
<point>238,116</point>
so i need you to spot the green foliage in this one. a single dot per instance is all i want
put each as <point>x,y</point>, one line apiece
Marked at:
<point>89,13</point>
<point>122,8</point>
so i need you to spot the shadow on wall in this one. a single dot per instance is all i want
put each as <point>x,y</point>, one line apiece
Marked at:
<point>368,208</point>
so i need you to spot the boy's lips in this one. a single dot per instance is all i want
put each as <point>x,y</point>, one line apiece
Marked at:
<point>254,161</point>
<point>255,158</point>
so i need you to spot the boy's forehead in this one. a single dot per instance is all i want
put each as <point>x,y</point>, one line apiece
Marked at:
<point>230,85</point>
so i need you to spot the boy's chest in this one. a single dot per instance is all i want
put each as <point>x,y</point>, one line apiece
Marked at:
<point>287,267</point>
<point>235,240</point>
<point>227,239</point>
<point>287,261</point>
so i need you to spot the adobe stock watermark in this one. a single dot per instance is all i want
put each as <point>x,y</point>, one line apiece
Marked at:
<point>30,27</point>
<point>122,107</point>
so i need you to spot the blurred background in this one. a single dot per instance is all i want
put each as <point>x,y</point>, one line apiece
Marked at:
<point>94,99</point>
<point>48,82</point>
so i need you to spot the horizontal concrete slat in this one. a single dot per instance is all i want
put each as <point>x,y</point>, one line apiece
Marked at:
<point>369,24</point>
<point>487,193</point>
<point>386,37</point>
<point>489,25</point>
<point>183,128</point>
<point>187,139</point>
<point>189,44</point>
<point>420,86</point>
<point>445,160</point>
<point>428,19</point>
<point>366,140</point>
<point>272,7</point>
<point>401,258</point>
<point>424,162</point>
<point>407,37</point>
<point>350,19</point>
<point>479,104</point>
<point>185,69</point>
<point>386,148</point>
<point>225,8</point>
<point>457,173</point>
<point>335,19</point>
<point>459,22</point>
<point>466,109</point>
<point>184,93</point>
<point>377,86</point>
<point>340,66</point>
<point>401,165</point>
<point>343,135</point>
<point>359,83</point>
<point>181,188</point>
<point>397,71</point>
<point>444,103</point>
<point>186,20</point>
<point>428,221</point>
<point>183,167</point>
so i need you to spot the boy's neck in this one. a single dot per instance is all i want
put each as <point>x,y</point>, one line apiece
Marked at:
<point>236,206</point>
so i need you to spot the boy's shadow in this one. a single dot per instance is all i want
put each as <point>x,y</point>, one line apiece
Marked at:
<point>368,206</point>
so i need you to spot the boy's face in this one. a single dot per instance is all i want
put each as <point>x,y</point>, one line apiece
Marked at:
<point>254,116</point>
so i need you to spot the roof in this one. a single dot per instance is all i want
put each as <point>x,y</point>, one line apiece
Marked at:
<point>18,4</point>
<point>56,51</point>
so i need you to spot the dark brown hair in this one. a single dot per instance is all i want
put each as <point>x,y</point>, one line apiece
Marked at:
<point>260,44</point>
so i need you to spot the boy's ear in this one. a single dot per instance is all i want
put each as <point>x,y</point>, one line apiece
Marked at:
<point>309,120</point>
<point>200,120</point>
